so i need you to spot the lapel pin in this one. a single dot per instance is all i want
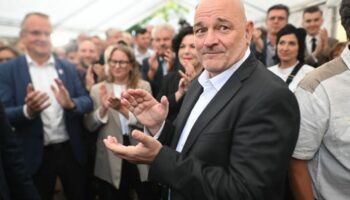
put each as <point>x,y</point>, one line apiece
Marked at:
<point>60,71</point>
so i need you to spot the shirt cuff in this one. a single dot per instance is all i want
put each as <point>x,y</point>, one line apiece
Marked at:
<point>98,117</point>
<point>26,113</point>
<point>132,119</point>
<point>156,136</point>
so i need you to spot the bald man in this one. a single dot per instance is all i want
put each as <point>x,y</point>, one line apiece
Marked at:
<point>237,126</point>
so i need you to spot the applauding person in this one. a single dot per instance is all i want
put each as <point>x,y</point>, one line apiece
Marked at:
<point>116,176</point>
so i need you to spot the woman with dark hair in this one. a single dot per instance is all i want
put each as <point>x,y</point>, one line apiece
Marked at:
<point>290,55</point>
<point>174,85</point>
<point>116,177</point>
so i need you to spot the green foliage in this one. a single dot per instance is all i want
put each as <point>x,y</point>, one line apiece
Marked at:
<point>170,8</point>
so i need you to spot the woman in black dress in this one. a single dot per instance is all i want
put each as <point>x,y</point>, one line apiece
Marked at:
<point>175,84</point>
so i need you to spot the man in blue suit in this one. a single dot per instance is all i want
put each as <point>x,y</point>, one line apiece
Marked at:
<point>44,101</point>
<point>15,182</point>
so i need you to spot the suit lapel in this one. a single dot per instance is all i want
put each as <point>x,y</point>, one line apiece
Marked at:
<point>190,100</point>
<point>213,108</point>
<point>220,100</point>
<point>61,73</point>
<point>23,76</point>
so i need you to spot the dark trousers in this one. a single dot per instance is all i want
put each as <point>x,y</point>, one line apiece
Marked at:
<point>130,185</point>
<point>58,161</point>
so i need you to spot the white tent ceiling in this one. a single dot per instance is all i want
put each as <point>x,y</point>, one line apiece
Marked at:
<point>69,17</point>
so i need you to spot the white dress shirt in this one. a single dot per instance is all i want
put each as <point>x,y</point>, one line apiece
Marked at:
<point>141,56</point>
<point>211,86</point>
<point>42,77</point>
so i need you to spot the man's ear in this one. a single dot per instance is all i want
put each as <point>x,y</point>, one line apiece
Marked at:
<point>249,31</point>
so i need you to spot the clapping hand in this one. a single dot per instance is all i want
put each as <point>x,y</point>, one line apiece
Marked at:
<point>36,101</point>
<point>146,108</point>
<point>62,95</point>
<point>144,152</point>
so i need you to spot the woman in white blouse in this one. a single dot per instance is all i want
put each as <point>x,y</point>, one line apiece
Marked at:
<point>290,54</point>
<point>116,177</point>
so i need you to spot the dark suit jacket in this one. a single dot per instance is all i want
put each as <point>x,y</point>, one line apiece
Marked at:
<point>261,56</point>
<point>15,182</point>
<point>14,78</point>
<point>169,87</point>
<point>323,57</point>
<point>240,145</point>
<point>156,83</point>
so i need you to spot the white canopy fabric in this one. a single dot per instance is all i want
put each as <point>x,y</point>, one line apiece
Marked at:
<point>70,17</point>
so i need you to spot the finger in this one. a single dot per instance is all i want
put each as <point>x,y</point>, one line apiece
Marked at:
<point>54,89</point>
<point>112,144</point>
<point>103,90</point>
<point>182,74</point>
<point>60,84</point>
<point>146,140</point>
<point>30,88</point>
<point>164,101</point>
<point>89,70</point>
<point>39,102</point>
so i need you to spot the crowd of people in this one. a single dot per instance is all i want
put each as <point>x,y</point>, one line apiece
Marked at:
<point>217,110</point>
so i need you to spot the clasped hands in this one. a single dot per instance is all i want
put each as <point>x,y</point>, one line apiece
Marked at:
<point>38,101</point>
<point>151,114</point>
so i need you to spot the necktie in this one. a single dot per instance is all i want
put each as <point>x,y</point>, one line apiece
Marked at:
<point>313,44</point>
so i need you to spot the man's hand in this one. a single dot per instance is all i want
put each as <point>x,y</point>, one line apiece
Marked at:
<point>36,101</point>
<point>146,108</point>
<point>144,152</point>
<point>89,78</point>
<point>322,44</point>
<point>62,95</point>
<point>257,39</point>
<point>169,59</point>
<point>153,66</point>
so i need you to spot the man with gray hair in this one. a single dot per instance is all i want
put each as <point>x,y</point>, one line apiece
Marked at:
<point>162,61</point>
<point>320,168</point>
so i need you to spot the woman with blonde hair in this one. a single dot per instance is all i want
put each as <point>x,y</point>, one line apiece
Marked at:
<point>116,177</point>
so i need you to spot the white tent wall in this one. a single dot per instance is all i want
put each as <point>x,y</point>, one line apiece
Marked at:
<point>70,17</point>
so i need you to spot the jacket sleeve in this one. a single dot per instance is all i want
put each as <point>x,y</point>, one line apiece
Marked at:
<point>19,181</point>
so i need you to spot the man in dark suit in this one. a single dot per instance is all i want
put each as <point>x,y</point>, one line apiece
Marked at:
<point>15,181</point>
<point>45,101</point>
<point>162,60</point>
<point>264,46</point>
<point>317,42</point>
<point>237,126</point>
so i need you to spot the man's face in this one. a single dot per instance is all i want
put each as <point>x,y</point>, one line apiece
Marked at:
<point>222,34</point>
<point>143,40</point>
<point>276,20</point>
<point>87,53</point>
<point>312,23</point>
<point>35,36</point>
<point>113,39</point>
<point>162,41</point>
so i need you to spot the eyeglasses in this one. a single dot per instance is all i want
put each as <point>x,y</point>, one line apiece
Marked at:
<point>122,63</point>
<point>38,33</point>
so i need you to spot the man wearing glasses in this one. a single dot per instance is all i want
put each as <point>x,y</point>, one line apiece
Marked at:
<point>276,19</point>
<point>44,101</point>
